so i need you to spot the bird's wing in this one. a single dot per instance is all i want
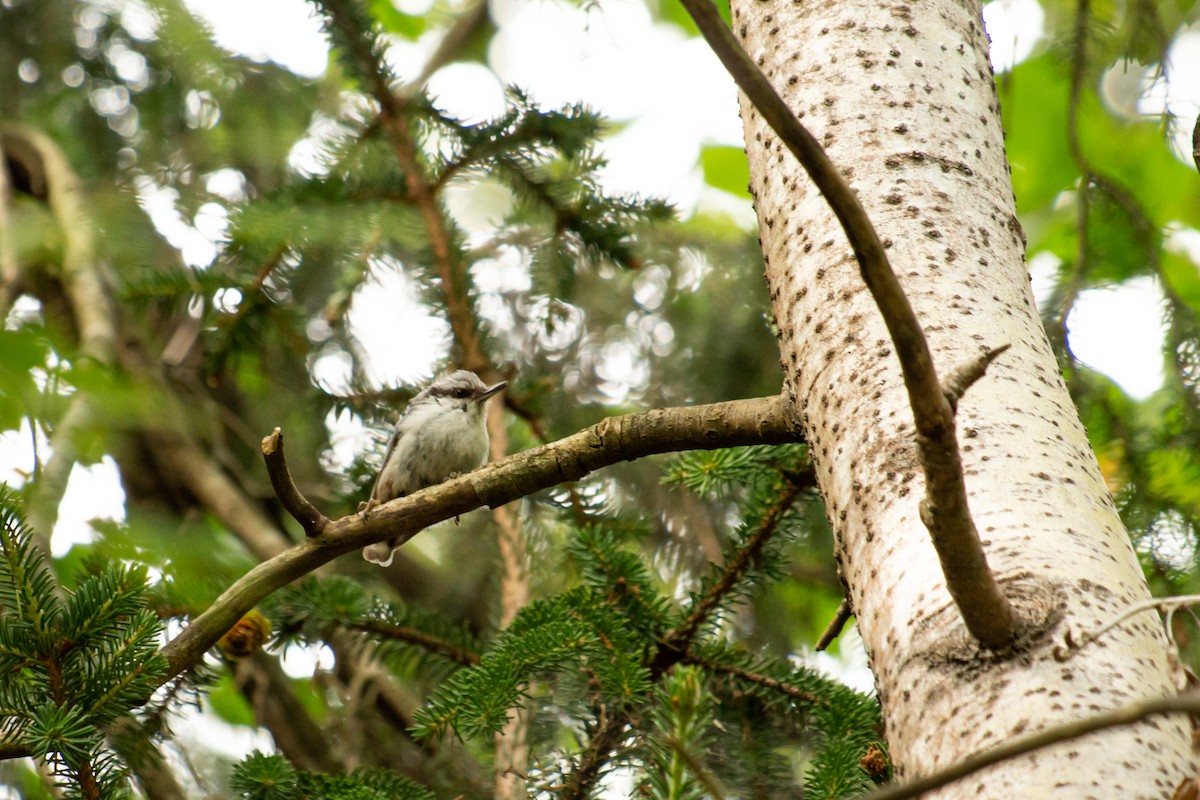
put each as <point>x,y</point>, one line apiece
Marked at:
<point>387,456</point>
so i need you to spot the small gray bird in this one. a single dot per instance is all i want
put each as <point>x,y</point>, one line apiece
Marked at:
<point>442,433</point>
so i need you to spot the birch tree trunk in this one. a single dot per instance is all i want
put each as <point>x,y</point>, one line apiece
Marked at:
<point>902,97</point>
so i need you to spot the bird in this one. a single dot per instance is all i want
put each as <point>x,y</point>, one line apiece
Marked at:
<point>441,434</point>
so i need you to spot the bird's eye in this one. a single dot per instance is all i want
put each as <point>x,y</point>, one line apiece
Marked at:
<point>462,393</point>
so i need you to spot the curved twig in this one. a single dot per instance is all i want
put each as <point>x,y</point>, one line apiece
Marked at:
<point>1073,644</point>
<point>312,520</point>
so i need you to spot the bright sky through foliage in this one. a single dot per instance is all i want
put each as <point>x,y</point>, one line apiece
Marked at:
<point>661,86</point>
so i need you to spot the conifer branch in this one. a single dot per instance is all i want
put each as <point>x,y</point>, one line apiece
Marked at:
<point>591,761</point>
<point>679,640</point>
<point>764,420</point>
<point>988,615</point>
<point>401,633</point>
<point>674,647</point>
<point>766,681</point>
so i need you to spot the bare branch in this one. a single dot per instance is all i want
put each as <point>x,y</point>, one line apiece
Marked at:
<point>988,615</point>
<point>834,628</point>
<point>1186,703</point>
<point>764,420</point>
<point>296,504</point>
<point>1074,644</point>
<point>964,375</point>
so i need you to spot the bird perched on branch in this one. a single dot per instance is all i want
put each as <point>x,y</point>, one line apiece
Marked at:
<point>442,433</point>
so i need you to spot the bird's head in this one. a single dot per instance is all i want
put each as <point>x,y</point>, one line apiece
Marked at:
<point>461,390</point>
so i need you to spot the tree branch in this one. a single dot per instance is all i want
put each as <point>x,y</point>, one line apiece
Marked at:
<point>834,628</point>
<point>587,770</point>
<point>86,289</point>
<point>1186,703</point>
<point>432,644</point>
<point>675,646</point>
<point>312,520</point>
<point>764,420</point>
<point>395,118</point>
<point>986,612</point>
<point>1073,644</point>
<point>757,678</point>
<point>678,640</point>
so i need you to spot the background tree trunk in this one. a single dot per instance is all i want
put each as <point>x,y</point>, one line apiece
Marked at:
<point>902,97</point>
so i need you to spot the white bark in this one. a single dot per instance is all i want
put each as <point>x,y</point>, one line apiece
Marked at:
<point>902,97</point>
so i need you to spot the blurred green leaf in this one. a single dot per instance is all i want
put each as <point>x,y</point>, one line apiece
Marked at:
<point>228,703</point>
<point>1033,103</point>
<point>396,21</point>
<point>726,168</point>
<point>671,11</point>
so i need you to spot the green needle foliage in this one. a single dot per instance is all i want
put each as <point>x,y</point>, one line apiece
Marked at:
<point>73,661</point>
<point>262,777</point>
<point>616,647</point>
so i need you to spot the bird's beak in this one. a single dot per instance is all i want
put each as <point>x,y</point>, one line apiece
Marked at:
<point>491,390</point>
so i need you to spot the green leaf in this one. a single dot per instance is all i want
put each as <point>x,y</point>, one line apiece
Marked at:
<point>1033,101</point>
<point>229,704</point>
<point>672,11</point>
<point>396,21</point>
<point>1182,277</point>
<point>726,168</point>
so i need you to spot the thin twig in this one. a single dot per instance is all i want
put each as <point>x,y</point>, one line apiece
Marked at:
<point>310,519</point>
<point>834,628</point>
<point>1074,644</point>
<point>757,678</point>
<point>1186,703</point>
<point>400,633</point>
